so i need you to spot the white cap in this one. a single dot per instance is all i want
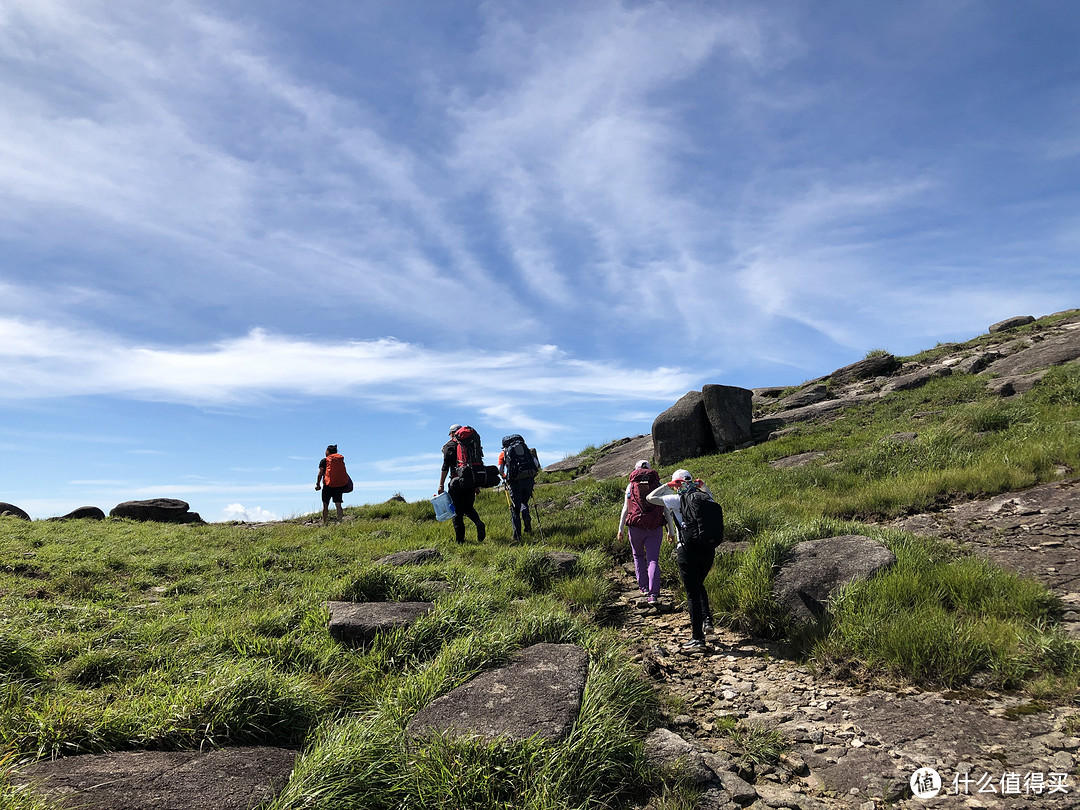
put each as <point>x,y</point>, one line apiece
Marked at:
<point>682,475</point>
<point>642,465</point>
<point>454,429</point>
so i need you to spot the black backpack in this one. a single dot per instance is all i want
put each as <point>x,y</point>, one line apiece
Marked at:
<point>702,519</point>
<point>519,459</point>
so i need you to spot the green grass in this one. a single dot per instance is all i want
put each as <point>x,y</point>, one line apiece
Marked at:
<point>117,635</point>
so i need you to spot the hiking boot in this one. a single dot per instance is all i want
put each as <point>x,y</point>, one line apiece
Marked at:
<point>481,533</point>
<point>709,629</point>
<point>694,644</point>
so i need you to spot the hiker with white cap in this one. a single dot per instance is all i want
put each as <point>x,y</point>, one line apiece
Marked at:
<point>463,488</point>
<point>644,523</point>
<point>695,559</point>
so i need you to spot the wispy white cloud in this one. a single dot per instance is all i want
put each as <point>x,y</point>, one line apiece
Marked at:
<point>44,360</point>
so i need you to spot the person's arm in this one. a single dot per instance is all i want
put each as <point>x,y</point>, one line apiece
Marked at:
<point>321,475</point>
<point>442,480</point>
<point>622,516</point>
<point>657,495</point>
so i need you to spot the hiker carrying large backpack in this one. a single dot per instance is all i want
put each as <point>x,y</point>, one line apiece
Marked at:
<point>463,457</point>
<point>644,522</point>
<point>700,523</point>
<point>334,481</point>
<point>518,465</point>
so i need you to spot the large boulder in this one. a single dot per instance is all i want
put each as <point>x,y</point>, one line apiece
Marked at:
<point>225,779</point>
<point>878,365</point>
<point>538,694</point>
<point>12,510</point>
<point>683,431</point>
<point>815,569</point>
<point>160,510</point>
<point>730,411</point>
<point>82,513</point>
<point>359,622</point>
<point>1051,352</point>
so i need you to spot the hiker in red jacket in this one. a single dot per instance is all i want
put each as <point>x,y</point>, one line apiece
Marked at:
<point>333,479</point>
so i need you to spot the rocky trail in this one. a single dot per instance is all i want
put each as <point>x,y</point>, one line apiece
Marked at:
<point>858,746</point>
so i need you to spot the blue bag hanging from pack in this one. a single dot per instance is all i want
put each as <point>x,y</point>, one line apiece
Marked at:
<point>444,507</point>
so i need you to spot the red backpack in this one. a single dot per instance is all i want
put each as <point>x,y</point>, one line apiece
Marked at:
<point>470,454</point>
<point>640,512</point>
<point>336,475</point>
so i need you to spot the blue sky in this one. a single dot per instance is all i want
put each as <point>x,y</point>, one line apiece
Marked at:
<point>234,232</point>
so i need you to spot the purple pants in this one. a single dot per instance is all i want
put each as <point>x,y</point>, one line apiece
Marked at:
<point>645,543</point>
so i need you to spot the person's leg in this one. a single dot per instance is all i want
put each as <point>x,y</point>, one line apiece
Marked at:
<point>465,504</point>
<point>526,494</point>
<point>653,540</point>
<point>340,510</point>
<point>692,582</point>
<point>708,556</point>
<point>458,500</point>
<point>637,537</point>
<point>515,508</point>
<point>325,505</point>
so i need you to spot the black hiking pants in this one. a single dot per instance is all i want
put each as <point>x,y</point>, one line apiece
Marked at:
<point>464,499</point>
<point>695,562</point>
<point>520,492</point>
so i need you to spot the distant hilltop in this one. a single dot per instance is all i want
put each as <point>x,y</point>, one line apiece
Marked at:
<point>1012,356</point>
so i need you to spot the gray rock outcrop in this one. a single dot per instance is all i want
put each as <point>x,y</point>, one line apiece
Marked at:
<point>12,510</point>
<point>683,431</point>
<point>359,622</point>
<point>815,569</point>
<point>730,412</point>
<point>618,462</point>
<point>915,379</point>
<point>225,779</point>
<point>538,694</point>
<point>1050,352</point>
<point>1011,323</point>
<point>809,395</point>
<point>159,510</point>
<point>877,365</point>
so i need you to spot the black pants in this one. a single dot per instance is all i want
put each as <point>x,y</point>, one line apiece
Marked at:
<point>464,498</point>
<point>520,492</point>
<point>695,562</point>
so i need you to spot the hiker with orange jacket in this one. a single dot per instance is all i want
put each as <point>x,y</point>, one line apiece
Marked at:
<point>333,479</point>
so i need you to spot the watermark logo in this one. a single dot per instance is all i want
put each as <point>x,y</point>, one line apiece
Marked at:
<point>925,783</point>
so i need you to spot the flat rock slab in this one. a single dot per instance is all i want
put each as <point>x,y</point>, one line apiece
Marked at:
<point>82,513</point>
<point>1050,352</point>
<point>225,779</point>
<point>815,569</point>
<point>1034,533</point>
<point>417,556</point>
<point>798,460</point>
<point>538,694</point>
<point>360,622</point>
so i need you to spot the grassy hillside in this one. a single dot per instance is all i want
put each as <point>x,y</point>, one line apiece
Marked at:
<point>118,635</point>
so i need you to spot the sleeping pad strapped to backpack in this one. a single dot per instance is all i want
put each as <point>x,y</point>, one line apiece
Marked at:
<point>640,512</point>
<point>702,519</point>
